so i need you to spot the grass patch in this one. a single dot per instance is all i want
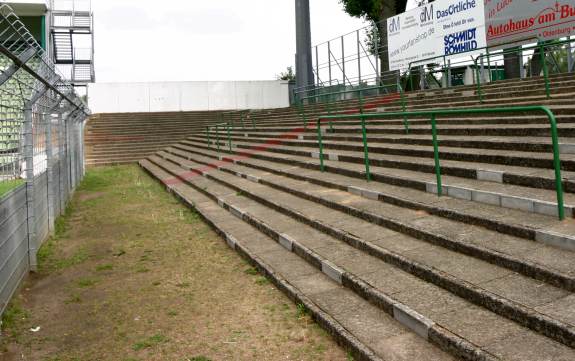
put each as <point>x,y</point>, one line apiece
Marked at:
<point>104,267</point>
<point>251,271</point>
<point>75,298</point>
<point>149,342</point>
<point>86,282</point>
<point>260,281</point>
<point>7,186</point>
<point>12,315</point>
<point>302,311</point>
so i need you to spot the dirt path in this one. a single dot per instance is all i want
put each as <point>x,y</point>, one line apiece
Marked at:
<point>133,275</point>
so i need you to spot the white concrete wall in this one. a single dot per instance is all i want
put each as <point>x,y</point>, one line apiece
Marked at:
<point>187,96</point>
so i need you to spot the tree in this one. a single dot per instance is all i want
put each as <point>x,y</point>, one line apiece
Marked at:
<point>287,75</point>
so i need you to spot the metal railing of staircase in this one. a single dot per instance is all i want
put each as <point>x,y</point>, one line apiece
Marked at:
<point>493,61</point>
<point>333,97</point>
<point>542,48</point>
<point>433,120</point>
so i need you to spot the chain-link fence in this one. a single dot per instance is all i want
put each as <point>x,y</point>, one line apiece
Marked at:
<point>41,149</point>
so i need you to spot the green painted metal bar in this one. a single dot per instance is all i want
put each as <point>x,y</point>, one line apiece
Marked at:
<point>208,137</point>
<point>360,101</point>
<point>365,148</point>
<point>478,80</point>
<point>218,138</point>
<point>229,138</point>
<point>320,144</point>
<point>489,66</point>
<point>545,70</point>
<point>242,119</point>
<point>436,156</point>
<point>443,112</point>
<point>403,108</point>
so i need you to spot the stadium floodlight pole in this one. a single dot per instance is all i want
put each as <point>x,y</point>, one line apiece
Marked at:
<point>304,69</point>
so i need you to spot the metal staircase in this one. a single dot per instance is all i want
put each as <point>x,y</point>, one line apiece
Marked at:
<point>72,40</point>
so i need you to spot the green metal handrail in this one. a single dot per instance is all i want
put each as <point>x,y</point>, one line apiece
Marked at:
<point>488,54</point>
<point>433,114</point>
<point>540,46</point>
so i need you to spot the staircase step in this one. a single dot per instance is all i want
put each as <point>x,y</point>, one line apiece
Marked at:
<point>368,331</point>
<point>347,263</point>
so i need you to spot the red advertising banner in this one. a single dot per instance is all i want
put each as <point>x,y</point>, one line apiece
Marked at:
<point>521,21</point>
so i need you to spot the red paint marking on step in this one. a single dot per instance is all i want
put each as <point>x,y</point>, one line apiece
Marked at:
<point>292,134</point>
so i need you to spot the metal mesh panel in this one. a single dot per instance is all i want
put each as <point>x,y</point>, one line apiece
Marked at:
<point>40,149</point>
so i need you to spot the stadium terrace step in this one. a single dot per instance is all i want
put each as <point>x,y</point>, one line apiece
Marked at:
<point>424,286</point>
<point>485,184</point>
<point>369,332</point>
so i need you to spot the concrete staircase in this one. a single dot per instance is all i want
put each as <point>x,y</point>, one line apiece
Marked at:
<point>390,269</point>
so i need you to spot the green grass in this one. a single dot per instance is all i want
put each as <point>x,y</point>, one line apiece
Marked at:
<point>149,342</point>
<point>199,358</point>
<point>104,267</point>
<point>12,315</point>
<point>7,186</point>
<point>86,282</point>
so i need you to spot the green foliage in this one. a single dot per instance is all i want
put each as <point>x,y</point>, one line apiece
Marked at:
<point>287,75</point>
<point>12,315</point>
<point>149,342</point>
<point>373,10</point>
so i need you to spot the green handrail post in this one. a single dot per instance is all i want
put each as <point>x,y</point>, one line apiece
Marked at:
<point>302,113</point>
<point>404,108</point>
<point>360,100</point>
<point>489,66</point>
<point>365,148</point>
<point>253,122</point>
<point>545,70</point>
<point>229,137</point>
<point>436,156</point>
<point>478,77</point>
<point>208,137</point>
<point>242,119</point>
<point>320,144</point>
<point>556,162</point>
<point>218,137</point>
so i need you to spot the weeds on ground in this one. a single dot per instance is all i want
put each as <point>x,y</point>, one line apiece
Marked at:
<point>260,281</point>
<point>149,342</point>
<point>302,311</point>
<point>12,315</point>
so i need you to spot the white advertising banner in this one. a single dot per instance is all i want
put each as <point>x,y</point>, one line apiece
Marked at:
<point>518,21</point>
<point>444,27</point>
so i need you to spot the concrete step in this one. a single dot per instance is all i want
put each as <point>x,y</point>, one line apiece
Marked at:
<point>518,168</point>
<point>326,233</point>
<point>532,227</point>
<point>480,184</point>
<point>366,330</point>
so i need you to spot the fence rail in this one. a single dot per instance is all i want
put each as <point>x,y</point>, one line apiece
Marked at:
<point>433,120</point>
<point>41,149</point>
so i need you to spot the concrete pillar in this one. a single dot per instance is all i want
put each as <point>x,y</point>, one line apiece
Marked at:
<point>304,67</point>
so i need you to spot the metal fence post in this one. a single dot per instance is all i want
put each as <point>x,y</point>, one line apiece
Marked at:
<point>29,161</point>
<point>47,117</point>
<point>569,56</point>
<point>61,159</point>
<point>436,156</point>
<point>358,58</point>
<point>329,60</point>
<point>343,60</point>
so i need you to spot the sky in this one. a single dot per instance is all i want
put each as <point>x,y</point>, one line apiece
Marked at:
<point>193,40</point>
